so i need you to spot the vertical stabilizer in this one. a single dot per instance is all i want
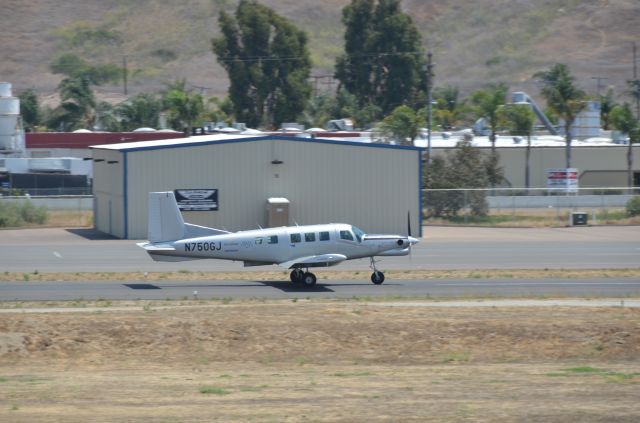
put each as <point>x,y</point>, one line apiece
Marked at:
<point>165,220</point>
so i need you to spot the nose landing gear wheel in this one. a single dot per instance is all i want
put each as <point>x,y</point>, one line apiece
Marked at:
<point>377,277</point>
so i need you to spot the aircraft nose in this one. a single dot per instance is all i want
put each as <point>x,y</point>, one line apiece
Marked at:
<point>413,241</point>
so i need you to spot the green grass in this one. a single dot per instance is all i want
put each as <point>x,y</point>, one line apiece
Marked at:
<point>215,390</point>
<point>352,374</point>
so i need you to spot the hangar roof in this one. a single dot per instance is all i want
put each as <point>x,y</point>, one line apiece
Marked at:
<point>227,138</point>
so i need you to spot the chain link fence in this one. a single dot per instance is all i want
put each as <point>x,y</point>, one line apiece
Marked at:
<point>534,206</point>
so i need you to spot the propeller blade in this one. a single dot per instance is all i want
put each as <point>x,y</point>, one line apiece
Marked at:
<point>409,234</point>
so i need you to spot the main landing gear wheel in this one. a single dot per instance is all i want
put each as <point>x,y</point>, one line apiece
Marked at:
<point>296,276</point>
<point>309,280</point>
<point>377,277</point>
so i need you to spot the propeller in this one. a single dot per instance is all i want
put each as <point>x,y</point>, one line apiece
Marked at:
<point>408,239</point>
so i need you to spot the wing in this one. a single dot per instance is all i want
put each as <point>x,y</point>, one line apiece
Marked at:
<point>322,260</point>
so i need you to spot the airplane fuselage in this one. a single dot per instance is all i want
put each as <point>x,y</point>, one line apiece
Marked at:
<point>283,244</point>
<point>291,247</point>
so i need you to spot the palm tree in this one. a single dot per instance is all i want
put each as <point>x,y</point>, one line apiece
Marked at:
<point>142,110</point>
<point>622,119</point>
<point>489,102</point>
<point>78,107</point>
<point>402,125</point>
<point>184,107</point>
<point>563,98</point>
<point>520,119</point>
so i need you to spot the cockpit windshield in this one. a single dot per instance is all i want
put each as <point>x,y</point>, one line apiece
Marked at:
<point>358,233</point>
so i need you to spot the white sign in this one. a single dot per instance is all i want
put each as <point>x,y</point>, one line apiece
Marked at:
<point>197,199</point>
<point>565,178</point>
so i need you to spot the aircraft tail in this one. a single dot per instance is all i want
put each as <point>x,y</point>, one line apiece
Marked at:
<point>165,221</point>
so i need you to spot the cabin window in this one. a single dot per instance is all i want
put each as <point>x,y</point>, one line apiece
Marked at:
<point>273,239</point>
<point>258,241</point>
<point>346,235</point>
<point>296,238</point>
<point>358,232</point>
<point>324,236</point>
<point>309,237</point>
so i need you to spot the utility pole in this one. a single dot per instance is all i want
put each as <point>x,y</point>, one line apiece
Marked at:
<point>636,83</point>
<point>599,79</point>
<point>430,76</point>
<point>124,73</point>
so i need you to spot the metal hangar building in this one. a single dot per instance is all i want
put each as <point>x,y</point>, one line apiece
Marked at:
<point>240,182</point>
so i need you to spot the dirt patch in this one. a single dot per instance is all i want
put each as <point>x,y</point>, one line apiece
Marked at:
<point>322,361</point>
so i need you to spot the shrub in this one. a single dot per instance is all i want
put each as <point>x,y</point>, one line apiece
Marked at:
<point>633,206</point>
<point>33,214</point>
<point>13,215</point>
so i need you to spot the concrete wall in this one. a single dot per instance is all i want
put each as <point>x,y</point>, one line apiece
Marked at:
<point>371,187</point>
<point>602,166</point>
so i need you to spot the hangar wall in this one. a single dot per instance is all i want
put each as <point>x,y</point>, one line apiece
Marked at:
<point>108,190</point>
<point>371,186</point>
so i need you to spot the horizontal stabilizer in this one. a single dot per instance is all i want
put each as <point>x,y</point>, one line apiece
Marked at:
<point>322,260</point>
<point>162,252</point>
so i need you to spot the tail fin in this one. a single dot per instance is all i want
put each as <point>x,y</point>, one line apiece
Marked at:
<point>165,220</point>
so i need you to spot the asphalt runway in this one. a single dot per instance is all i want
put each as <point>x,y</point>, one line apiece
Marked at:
<point>84,250</point>
<point>183,290</point>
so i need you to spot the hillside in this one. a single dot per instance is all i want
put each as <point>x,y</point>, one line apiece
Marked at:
<point>495,40</point>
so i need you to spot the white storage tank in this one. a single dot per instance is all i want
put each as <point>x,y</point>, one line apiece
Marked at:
<point>11,131</point>
<point>587,123</point>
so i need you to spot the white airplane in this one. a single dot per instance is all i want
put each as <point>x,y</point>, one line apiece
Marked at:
<point>291,247</point>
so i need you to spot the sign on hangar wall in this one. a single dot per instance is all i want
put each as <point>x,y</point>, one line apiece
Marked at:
<point>197,199</point>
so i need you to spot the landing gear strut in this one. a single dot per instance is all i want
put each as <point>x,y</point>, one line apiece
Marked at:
<point>306,279</point>
<point>377,277</point>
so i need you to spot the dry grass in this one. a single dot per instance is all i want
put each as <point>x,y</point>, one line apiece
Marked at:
<point>186,275</point>
<point>322,361</point>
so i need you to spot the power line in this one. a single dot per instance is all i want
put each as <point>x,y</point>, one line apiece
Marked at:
<point>293,58</point>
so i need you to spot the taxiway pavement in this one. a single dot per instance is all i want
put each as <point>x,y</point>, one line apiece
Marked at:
<point>84,250</point>
<point>431,288</point>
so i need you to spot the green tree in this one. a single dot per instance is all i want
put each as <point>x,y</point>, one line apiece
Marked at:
<point>489,101</point>
<point>402,126</point>
<point>78,107</point>
<point>520,119</point>
<point>607,103</point>
<point>384,61</point>
<point>268,64</point>
<point>142,110</point>
<point>319,110</point>
<point>446,106</point>
<point>634,91</point>
<point>462,168</point>
<point>29,109</point>
<point>622,119</point>
<point>75,67</point>
<point>564,98</point>
<point>184,107</point>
